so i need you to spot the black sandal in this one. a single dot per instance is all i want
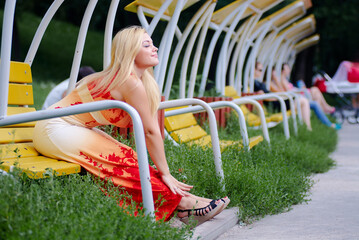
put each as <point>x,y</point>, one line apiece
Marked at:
<point>203,214</point>
<point>225,201</point>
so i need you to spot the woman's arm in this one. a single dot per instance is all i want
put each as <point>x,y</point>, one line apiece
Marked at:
<point>133,92</point>
<point>275,85</point>
<point>274,88</point>
<point>285,84</point>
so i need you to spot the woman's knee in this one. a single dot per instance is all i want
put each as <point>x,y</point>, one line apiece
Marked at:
<point>304,102</point>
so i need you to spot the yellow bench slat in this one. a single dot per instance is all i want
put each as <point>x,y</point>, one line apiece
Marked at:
<point>229,91</point>
<point>219,15</point>
<point>180,121</point>
<point>20,72</point>
<point>222,13</point>
<point>8,135</point>
<point>207,142</point>
<point>38,167</point>
<point>156,4</point>
<point>253,141</point>
<point>204,141</point>
<point>20,94</point>
<point>251,118</point>
<point>17,149</point>
<point>226,143</point>
<point>188,134</point>
<point>18,110</point>
<point>278,117</point>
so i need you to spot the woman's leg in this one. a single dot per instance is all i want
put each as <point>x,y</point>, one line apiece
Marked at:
<point>320,114</point>
<point>105,157</point>
<point>304,105</point>
<point>318,97</point>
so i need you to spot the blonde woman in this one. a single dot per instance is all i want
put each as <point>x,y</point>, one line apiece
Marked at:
<point>128,78</point>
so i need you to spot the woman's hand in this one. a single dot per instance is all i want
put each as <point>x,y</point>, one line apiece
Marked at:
<point>176,186</point>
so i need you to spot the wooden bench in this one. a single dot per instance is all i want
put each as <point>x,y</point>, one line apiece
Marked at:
<point>252,119</point>
<point>184,128</point>
<point>16,147</point>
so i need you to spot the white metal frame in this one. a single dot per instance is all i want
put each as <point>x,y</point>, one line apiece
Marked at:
<point>269,96</point>
<point>258,35</point>
<point>41,30</point>
<point>80,45</point>
<point>199,21</point>
<point>6,38</point>
<point>300,46</point>
<point>109,32</point>
<point>281,42</point>
<point>212,125</point>
<point>209,54</point>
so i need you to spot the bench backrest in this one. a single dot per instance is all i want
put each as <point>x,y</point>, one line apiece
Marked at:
<point>20,97</point>
<point>184,127</point>
<point>16,147</point>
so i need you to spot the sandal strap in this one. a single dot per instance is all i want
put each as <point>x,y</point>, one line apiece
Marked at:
<point>201,211</point>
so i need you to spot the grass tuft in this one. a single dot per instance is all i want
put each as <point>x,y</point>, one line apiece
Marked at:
<point>70,207</point>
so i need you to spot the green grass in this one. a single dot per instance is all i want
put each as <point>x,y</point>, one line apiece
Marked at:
<point>266,180</point>
<point>71,207</point>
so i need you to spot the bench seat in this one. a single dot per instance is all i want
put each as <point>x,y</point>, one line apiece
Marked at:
<point>16,146</point>
<point>183,128</point>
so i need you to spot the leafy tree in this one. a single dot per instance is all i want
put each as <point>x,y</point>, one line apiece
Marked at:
<point>337,24</point>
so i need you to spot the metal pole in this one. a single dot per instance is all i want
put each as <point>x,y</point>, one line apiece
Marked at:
<point>163,53</point>
<point>212,127</point>
<point>282,106</point>
<point>109,32</point>
<point>6,39</point>
<point>178,49</point>
<point>80,44</point>
<point>244,100</point>
<point>41,30</point>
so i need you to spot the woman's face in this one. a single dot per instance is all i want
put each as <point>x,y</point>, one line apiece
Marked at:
<point>147,56</point>
<point>258,70</point>
<point>286,70</point>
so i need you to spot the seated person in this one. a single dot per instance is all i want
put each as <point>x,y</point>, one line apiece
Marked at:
<point>314,93</point>
<point>59,92</point>
<point>316,101</point>
<point>348,71</point>
<point>261,87</point>
<point>128,78</point>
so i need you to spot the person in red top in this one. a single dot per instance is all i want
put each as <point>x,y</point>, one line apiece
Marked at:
<point>348,71</point>
<point>128,78</point>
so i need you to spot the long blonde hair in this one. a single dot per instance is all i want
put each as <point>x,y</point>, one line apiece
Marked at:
<point>125,47</point>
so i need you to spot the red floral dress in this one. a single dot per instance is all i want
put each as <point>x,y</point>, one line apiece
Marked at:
<point>74,139</point>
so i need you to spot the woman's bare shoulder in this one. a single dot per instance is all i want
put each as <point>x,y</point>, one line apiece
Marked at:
<point>131,83</point>
<point>130,86</point>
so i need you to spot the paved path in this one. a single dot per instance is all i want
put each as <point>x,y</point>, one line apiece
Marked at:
<point>332,213</point>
